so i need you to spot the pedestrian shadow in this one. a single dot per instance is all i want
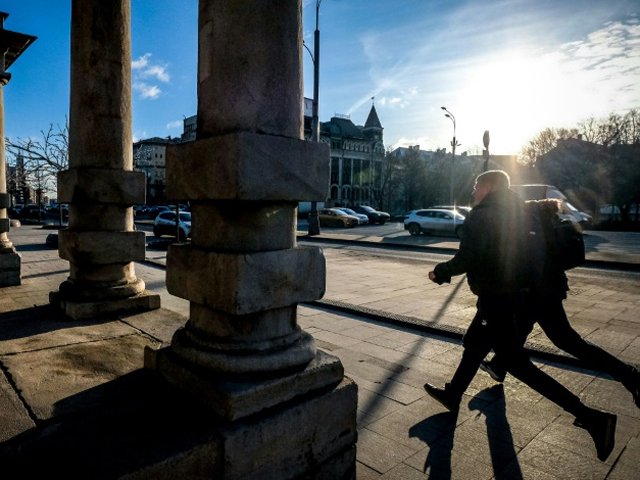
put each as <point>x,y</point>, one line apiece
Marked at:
<point>385,387</point>
<point>501,446</point>
<point>437,432</point>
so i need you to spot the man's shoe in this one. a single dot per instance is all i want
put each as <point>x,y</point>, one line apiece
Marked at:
<point>602,428</point>
<point>497,376</point>
<point>633,385</point>
<point>442,395</point>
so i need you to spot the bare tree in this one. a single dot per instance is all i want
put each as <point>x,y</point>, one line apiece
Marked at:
<point>42,158</point>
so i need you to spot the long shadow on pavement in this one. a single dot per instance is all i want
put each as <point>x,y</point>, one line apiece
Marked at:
<point>371,406</point>
<point>501,446</point>
<point>437,432</point>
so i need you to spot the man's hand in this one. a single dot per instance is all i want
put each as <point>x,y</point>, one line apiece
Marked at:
<point>432,276</point>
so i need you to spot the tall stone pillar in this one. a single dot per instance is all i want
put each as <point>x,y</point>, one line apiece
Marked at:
<point>9,259</point>
<point>242,352</point>
<point>100,184</point>
<point>12,44</point>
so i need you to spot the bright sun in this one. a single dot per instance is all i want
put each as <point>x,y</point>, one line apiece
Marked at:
<point>517,95</point>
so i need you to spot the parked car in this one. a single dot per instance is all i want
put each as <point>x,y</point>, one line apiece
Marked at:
<point>362,218</point>
<point>374,215</point>
<point>434,221</point>
<point>165,224</point>
<point>334,217</point>
<point>463,210</point>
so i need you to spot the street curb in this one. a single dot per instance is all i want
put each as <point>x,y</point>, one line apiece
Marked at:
<point>603,264</point>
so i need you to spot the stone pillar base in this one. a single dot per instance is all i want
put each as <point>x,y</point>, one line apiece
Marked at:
<point>235,398</point>
<point>10,262</point>
<point>313,437</point>
<point>85,310</point>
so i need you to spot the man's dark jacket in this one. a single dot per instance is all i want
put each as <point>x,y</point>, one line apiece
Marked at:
<point>492,250</point>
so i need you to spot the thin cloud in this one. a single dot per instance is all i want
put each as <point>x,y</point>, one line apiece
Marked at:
<point>146,90</point>
<point>145,75</point>
<point>175,125</point>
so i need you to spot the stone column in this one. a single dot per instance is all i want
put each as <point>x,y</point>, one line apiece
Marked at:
<point>9,258</point>
<point>242,352</point>
<point>100,184</point>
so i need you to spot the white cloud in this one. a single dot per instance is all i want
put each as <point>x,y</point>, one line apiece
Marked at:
<point>146,90</point>
<point>175,124</point>
<point>145,72</point>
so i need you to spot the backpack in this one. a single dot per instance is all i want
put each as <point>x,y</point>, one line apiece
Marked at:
<point>553,245</point>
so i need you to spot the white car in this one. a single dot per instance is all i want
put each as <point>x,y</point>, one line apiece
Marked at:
<point>434,221</point>
<point>362,218</point>
<point>165,224</point>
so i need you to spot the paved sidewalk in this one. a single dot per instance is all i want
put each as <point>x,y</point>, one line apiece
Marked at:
<point>502,432</point>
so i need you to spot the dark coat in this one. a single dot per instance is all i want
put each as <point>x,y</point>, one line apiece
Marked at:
<point>492,247</point>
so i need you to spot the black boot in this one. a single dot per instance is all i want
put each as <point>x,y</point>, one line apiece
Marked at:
<point>444,395</point>
<point>602,428</point>
<point>632,383</point>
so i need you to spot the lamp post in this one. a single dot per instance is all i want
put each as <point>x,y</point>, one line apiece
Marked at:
<point>314,223</point>
<point>454,144</point>
<point>485,152</point>
<point>12,45</point>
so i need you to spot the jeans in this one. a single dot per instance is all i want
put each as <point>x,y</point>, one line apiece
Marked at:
<point>498,326</point>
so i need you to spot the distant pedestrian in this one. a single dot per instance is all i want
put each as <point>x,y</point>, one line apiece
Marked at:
<point>544,305</point>
<point>491,254</point>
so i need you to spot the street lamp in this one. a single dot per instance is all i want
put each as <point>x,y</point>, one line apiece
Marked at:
<point>314,223</point>
<point>454,144</point>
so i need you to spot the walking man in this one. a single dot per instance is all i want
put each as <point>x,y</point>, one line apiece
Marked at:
<point>544,306</point>
<point>492,253</point>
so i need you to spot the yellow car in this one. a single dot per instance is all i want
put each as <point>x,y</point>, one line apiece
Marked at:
<point>334,217</point>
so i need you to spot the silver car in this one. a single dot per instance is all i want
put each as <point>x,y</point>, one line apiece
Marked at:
<point>434,221</point>
<point>362,218</point>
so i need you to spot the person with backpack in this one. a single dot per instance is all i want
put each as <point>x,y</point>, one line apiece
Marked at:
<point>551,252</point>
<point>492,253</point>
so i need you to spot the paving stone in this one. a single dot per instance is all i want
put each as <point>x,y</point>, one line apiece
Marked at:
<point>379,452</point>
<point>553,459</point>
<point>44,328</point>
<point>404,472</point>
<point>50,378</point>
<point>14,418</point>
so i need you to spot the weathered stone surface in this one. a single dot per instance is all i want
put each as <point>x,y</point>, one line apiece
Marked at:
<point>246,283</point>
<point>246,359</point>
<point>10,261</point>
<point>304,441</point>
<point>250,68</point>
<point>14,418</point>
<point>232,226</point>
<point>48,379</point>
<point>101,248</point>
<point>231,399</point>
<point>5,200</point>
<point>101,185</point>
<point>248,166</point>
<point>94,309</point>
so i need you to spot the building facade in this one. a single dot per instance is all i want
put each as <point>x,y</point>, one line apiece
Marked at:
<point>149,156</point>
<point>357,155</point>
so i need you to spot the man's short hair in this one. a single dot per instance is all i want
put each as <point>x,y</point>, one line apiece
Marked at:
<point>496,179</point>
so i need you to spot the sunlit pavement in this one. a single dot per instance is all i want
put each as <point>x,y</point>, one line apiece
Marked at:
<point>505,432</point>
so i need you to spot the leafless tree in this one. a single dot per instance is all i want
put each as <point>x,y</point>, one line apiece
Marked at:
<point>42,157</point>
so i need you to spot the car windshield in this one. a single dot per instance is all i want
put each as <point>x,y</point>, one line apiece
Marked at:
<point>367,208</point>
<point>348,210</point>
<point>185,217</point>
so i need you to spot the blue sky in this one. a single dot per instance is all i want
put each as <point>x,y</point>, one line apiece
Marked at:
<point>512,67</point>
